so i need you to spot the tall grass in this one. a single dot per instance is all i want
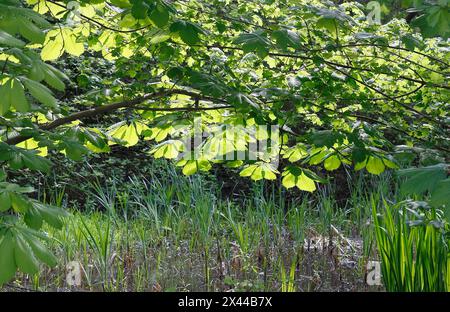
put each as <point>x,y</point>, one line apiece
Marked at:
<point>413,248</point>
<point>167,231</point>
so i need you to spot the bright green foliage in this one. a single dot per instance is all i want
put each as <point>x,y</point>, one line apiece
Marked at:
<point>341,90</point>
<point>413,247</point>
<point>259,170</point>
<point>168,149</point>
<point>432,17</point>
<point>20,248</point>
<point>192,166</point>
<point>304,179</point>
<point>126,133</point>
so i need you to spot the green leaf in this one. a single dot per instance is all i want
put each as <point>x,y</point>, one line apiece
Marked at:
<point>37,72</point>
<point>5,97</point>
<point>326,138</point>
<point>19,203</point>
<point>168,149</point>
<point>7,263</point>
<point>53,80</point>
<point>2,175</point>
<point>74,149</point>
<point>51,214</point>
<point>286,38</point>
<point>411,42</point>
<point>30,31</point>
<point>33,218</point>
<point>305,183</point>
<point>296,153</point>
<point>128,133</point>
<point>258,171</point>
<point>188,31</point>
<point>19,100</point>
<point>332,163</point>
<point>5,201</point>
<point>139,9</point>
<point>19,158</point>
<point>254,42</point>
<point>190,167</point>
<point>53,49</point>
<point>440,195</point>
<point>40,251</point>
<point>159,15</point>
<point>40,92</point>
<point>121,3</point>
<point>24,256</point>
<point>295,176</point>
<point>327,23</point>
<point>70,43</point>
<point>375,165</point>
<point>10,41</point>
<point>420,180</point>
<point>289,181</point>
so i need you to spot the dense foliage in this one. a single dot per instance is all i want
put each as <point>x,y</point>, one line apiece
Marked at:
<point>342,89</point>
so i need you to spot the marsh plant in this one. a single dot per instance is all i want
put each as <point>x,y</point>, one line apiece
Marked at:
<point>413,243</point>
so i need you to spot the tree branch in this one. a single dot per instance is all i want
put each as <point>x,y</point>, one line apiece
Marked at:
<point>123,104</point>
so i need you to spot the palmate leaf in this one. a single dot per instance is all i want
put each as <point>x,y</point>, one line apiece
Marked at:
<point>40,92</point>
<point>304,179</point>
<point>71,45</point>
<point>208,84</point>
<point>52,50</point>
<point>295,153</point>
<point>169,149</point>
<point>326,138</point>
<point>19,203</point>
<point>332,163</point>
<point>53,80</point>
<point>18,99</point>
<point>254,42</point>
<point>10,41</point>
<point>421,180</point>
<point>22,248</point>
<point>160,15</point>
<point>242,101</point>
<point>139,9</point>
<point>129,133</point>
<point>51,214</point>
<point>5,201</point>
<point>434,20</point>
<point>375,165</point>
<point>286,38</point>
<point>7,262</point>
<point>259,171</point>
<point>40,251</point>
<point>441,194</point>
<point>12,196</point>
<point>95,140</point>
<point>12,94</point>
<point>31,144</point>
<point>190,167</point>
<point>30,31</point>
<point>19,158</point>
<point>188,31</point>
<point>24,257</point>
<point>60,40</point>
